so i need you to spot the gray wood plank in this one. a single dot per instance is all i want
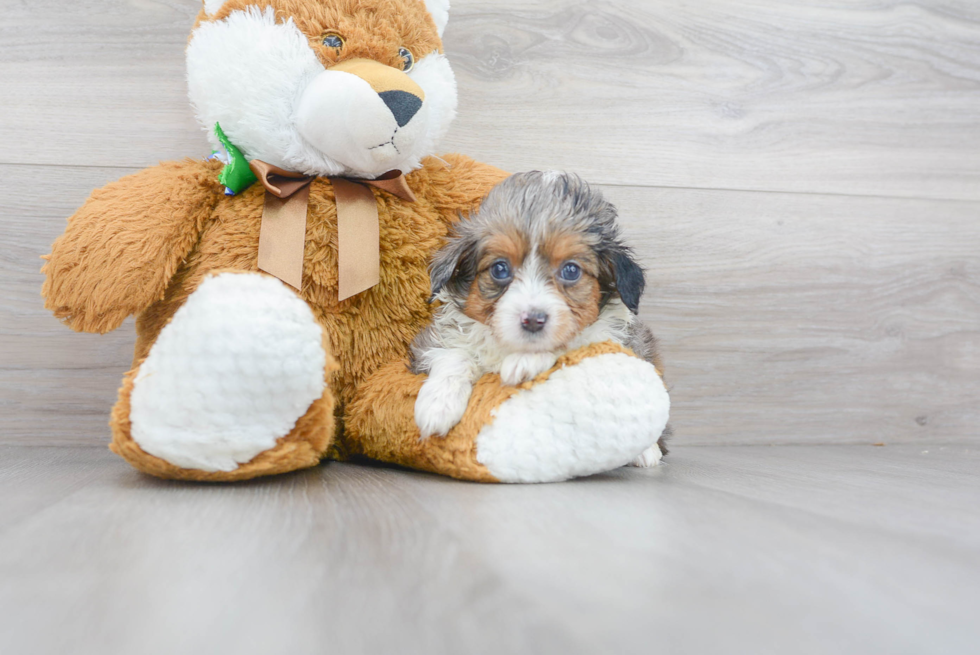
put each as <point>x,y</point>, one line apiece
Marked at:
<point>789,549</point>
<point>96,83</point>
<point>326,559</point>
<point>784,318</point>
<point>29,483</point>
<point>56,386</point>
<point>742,549</point>
<point>863,98</point>
<point>806,318</point>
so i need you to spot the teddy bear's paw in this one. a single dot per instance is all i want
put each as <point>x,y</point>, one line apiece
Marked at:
<point>240,362</point>
<point>648,458</point>
<point>595,416</point>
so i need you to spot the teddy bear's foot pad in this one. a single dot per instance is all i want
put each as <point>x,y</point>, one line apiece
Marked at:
<point>240,362</point>
<point>592,417</point>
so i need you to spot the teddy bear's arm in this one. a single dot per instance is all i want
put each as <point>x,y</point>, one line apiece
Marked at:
<point>598,408</point>
<point>121,249</point>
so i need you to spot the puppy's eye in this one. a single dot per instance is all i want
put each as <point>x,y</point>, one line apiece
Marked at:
<point>333,40</point>
<point>500,271</point>
<point>570,272</point>
<point>408,59</point>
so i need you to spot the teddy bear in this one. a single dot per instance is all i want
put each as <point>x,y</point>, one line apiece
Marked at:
<point>278,284</point>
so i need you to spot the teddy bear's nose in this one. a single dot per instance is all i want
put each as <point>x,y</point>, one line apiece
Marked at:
<point>403,105</point>
<point>400,93</point>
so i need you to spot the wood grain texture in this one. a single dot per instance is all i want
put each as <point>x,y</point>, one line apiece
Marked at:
<point>56,386</point>
<point>808,318</point>
<point>869,97</point>
<point>743,549</point>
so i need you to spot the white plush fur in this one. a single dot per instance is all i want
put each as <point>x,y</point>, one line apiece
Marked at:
<point>368,141</point>
<point>240,362</point>
<point>211,7</point>
<point>585,419</point>
<point>246,72</point>
<point>273,98</point>
<point>440,13</point>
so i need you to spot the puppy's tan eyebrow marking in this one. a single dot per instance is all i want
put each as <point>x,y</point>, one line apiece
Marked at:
<point>565,246</point>
<point>510,245</point>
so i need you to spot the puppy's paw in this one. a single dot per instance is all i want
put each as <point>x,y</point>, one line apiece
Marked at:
<point>521,367</point>
<point>648,458</point>
<point>440,405</point>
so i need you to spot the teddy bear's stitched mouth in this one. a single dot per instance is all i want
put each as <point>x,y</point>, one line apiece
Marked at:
<point>389,142</point>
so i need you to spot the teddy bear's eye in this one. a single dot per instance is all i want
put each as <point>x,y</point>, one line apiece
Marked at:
<point>333,40</point>
<point>408,60</point>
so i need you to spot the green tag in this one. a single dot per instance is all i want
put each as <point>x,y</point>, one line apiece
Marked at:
<point>236,175</point>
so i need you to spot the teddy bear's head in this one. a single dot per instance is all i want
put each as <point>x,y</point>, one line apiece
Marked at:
<point>324,87</point>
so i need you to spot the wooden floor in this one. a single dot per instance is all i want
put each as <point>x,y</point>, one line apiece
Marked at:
<point>788,549</point>
<point>802,181</point>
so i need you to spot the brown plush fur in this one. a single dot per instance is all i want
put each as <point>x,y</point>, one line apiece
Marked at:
<point>143,244</point>
<point>376,29</point>
<point>123,247</point>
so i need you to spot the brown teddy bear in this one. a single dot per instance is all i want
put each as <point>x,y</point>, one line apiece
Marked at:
<point>277,285</point>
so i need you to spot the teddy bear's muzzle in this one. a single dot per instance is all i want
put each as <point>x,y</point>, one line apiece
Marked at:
<point>363,114</point>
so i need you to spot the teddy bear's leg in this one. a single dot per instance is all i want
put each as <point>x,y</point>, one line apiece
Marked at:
<point>235,386</point>
<point>599,408</point>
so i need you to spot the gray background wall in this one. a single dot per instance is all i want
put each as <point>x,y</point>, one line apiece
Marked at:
<point>802,182</point>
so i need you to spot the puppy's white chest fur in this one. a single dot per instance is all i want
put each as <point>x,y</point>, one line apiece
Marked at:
<point>521,367</point>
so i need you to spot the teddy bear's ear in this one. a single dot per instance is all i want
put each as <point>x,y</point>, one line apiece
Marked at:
<point>211,7</point>
<point>439,10</point>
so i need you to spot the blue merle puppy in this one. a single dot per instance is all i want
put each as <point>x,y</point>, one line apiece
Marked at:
<point>540,270</point>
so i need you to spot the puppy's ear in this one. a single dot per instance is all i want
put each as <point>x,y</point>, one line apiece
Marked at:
<point>453,266</point>
<point>629,278</point>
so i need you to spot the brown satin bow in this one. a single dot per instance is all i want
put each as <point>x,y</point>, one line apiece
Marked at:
<point>282,237</point>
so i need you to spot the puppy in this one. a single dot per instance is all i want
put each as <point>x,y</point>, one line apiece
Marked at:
<point>538,271</point>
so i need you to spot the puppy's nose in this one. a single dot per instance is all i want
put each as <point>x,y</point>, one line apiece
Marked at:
<point>403,105</point>
<point>533,321</point>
